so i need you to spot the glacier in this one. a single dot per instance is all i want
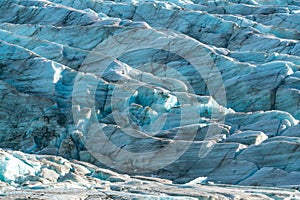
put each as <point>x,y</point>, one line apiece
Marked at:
<point>181,99</point>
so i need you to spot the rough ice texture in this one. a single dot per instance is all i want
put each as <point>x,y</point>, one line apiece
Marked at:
<point>53,177</point>
<point>47,49</point>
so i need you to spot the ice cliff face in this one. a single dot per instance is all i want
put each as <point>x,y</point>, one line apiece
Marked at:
<point>171,89</point>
